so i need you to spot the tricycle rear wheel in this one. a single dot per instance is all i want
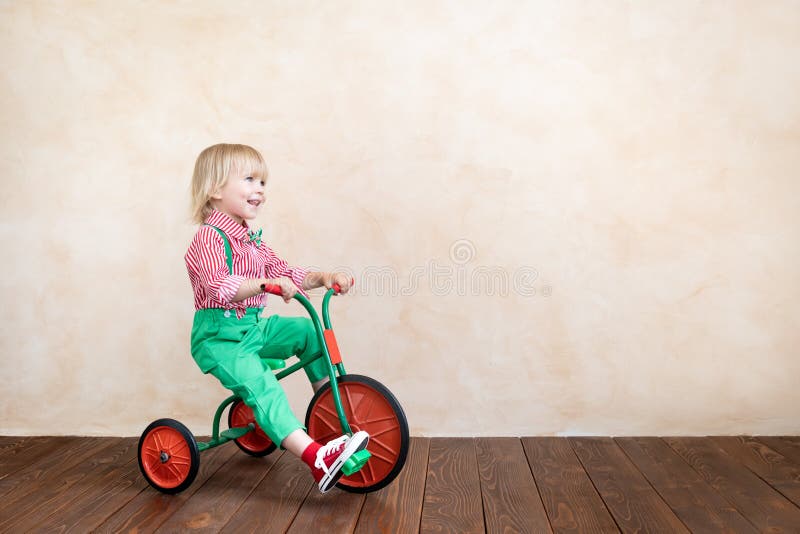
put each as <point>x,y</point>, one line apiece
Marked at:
<point>255,442</point>
<point>369,406</point>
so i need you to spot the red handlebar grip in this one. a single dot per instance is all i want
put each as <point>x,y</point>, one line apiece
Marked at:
<point>337,288</point>
<point>272,288</point>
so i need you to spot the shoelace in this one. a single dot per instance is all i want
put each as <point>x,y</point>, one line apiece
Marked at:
<point>327,450</point>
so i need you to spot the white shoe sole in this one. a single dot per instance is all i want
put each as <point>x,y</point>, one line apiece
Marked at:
<point>357,443</point>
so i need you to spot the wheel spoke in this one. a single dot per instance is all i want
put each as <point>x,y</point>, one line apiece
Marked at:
<point>180,448</point>
<point>156,440</point>
<point>350,401</point>
<point>360,473</point>
<point>382,445</point>
<point>326,423</point>
<point>181,457</point>
<point>372,436</point>
<point>163,470</point>
<point>175,471</point>
<point>170,441</point>
<point>390,417</point>
<point>390,461</point>
<point>330,411</point>
<point>369,404</point>
<point>371,471</point>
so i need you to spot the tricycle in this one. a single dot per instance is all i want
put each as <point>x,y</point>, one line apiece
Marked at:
<point>169,454</point>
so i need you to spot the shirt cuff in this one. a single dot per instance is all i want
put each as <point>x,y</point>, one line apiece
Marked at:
<point>228,288</point>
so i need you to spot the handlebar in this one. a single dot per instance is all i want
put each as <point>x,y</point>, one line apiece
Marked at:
<point>276,289</point>
<point>272,288</point>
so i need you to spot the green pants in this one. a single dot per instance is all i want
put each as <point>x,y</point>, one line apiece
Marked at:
<point>232,349</point>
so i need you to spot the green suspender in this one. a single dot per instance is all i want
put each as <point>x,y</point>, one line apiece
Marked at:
<point>228,254</point>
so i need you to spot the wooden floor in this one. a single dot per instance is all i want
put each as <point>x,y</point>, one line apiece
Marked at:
<point>714,484</point>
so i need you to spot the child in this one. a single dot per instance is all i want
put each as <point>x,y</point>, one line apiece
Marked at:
<point>229,335</point>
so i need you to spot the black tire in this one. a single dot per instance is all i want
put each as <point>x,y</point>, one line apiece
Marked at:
<point>168,456</point>
<point>255,443</point>
<point>394,436</point>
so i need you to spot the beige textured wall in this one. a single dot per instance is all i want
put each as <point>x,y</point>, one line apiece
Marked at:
<point>642,157</point>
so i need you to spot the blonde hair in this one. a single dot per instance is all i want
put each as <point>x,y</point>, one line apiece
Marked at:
<point>212,169</point>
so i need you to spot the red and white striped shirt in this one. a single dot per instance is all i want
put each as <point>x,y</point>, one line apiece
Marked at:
<point>213,285</point>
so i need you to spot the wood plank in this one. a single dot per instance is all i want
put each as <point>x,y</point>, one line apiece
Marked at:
<point>274,503</point>
<point>54,475</point>
<point>92,499</point>
<point>218,499</point>
<point>59,494</point>
<point>570,500</point>
<point>8,443</point>
<point>511,501</point>
<point>787,446</point>
<point>453,492</point>
<point>397,508</point>
<point>87,515</point>
<point>696,503</point>
<point>628,496</point>
<point>753,498</point>
<point>770,465</point>
<point>27,453</point>
<point>335,511</point>
<point>149,508</point>
<point>12,447</point>
<point>719,484</point>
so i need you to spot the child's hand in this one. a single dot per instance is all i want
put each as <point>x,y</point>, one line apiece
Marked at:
<point>342,279</point>
<point>288,289</point>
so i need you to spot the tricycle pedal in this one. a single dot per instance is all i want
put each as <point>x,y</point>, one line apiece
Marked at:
<point>355,462</point>
<point>236,432</point>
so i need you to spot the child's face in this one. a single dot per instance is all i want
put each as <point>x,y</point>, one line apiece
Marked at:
<point>241,196</point>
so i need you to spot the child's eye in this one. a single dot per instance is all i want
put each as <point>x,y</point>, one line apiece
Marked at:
<point>263,183</point>
<point>249,179</point>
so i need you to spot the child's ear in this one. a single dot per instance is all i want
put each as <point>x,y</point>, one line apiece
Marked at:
<point>216,194</point>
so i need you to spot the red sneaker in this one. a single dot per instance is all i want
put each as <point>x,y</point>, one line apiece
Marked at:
<point>332,456</point>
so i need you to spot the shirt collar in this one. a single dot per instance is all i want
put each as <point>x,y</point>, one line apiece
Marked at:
<point>231,228</point>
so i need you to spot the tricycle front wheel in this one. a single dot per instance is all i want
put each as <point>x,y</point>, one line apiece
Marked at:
<point>369,406</point>
<point>168,456</point>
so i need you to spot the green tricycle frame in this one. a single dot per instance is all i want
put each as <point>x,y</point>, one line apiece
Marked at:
<point>169,455</point>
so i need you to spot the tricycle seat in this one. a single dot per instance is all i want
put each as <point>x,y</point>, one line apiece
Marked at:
<point>274,363</point>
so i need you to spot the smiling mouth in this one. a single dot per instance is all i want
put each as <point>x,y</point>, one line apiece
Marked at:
<point>255,203</point>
